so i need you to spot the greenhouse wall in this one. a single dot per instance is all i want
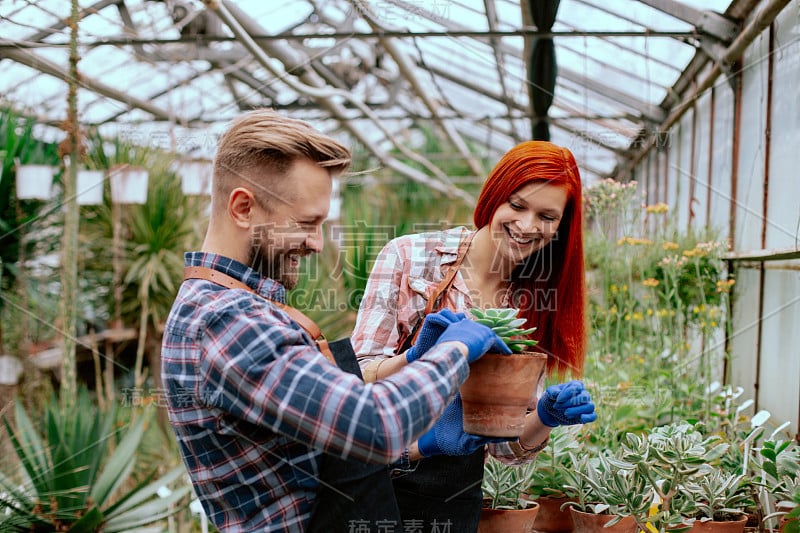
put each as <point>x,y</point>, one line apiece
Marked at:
<point>744,185</point>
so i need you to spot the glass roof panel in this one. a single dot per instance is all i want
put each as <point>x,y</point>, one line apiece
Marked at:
<point>456,76</point>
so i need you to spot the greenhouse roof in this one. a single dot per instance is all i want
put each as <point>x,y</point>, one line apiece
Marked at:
<point>174,72</point>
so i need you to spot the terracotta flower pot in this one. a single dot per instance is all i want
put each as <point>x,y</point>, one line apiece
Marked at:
<point>713,526</point>
<point>497,392</point>
<point>595,523</point>
<point>508,520</point>
<point>551,519</point>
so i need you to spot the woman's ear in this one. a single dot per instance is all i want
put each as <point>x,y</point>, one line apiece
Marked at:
<point>240,207</point>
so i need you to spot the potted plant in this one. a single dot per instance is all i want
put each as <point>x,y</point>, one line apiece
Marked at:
<point>90,186</point>
<point>609,496</point>
<point>499,387</point>
<point>34,182</point>
<point>548,480</point>
<point>506,507</point>
<point>668,459</point>
<point>720,501</point>
<point>128,184</point>
<point>778,463</point>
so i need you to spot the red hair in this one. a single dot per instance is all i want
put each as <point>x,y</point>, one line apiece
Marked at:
<point>550,286</point>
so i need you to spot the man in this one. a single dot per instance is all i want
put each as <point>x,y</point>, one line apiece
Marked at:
<point>253,402</point>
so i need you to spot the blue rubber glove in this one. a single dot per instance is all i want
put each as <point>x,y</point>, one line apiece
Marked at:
<point>447,436</point>
<point>478,338</point>
<point>566,404</point>
<point>433,326</point>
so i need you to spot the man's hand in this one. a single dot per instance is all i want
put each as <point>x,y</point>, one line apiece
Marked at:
<point>433,326</point>
<point>478,339</point>
<point>447,436</point>
<point>566,404</point>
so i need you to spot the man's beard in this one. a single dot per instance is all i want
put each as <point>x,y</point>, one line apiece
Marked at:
<point>278,268</point>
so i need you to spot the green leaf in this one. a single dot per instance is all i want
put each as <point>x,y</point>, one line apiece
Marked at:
<point>154,510</point>
<point>88,523</point>
<point>119,463</point>
<point>145,490</point>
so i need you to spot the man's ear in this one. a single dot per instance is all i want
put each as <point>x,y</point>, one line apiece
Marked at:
<point>241,203</point>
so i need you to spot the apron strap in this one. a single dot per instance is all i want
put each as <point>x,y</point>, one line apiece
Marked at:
<point>438,295</point>
<point>220,278</point>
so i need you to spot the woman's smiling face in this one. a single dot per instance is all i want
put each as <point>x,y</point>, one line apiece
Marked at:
<point>527,221</point>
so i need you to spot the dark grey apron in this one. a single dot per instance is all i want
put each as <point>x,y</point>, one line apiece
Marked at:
<point>442,494</point>
<point>353,496</point>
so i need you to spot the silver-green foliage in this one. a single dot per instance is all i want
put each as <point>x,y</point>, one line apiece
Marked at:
<point>506,325</point>
<point>504,485</point>
<point>76,469</point>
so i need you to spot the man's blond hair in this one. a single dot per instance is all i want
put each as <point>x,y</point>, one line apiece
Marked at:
<point>259,148</point>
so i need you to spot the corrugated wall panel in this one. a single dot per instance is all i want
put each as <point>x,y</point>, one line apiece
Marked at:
<point>684,170</point>
<point>783,208</point>
<point>744,331</point>
<point>672,177</point>
<point>700,192</point>
<point>749,193</point>
<point>780,346</point>
<point>721,165</point>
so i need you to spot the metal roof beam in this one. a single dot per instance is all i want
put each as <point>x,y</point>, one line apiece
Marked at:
<point>648,111</point>
<point>307,82</point>
<point>705,21</point>
<point>61,24</point>
<point>491,18</point>
<point>524,108</point>
<point>750,33</point>
<point>46,66</point>
<point>405,65</point>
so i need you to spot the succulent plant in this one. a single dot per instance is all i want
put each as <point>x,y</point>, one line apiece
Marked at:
<point>506,325</point>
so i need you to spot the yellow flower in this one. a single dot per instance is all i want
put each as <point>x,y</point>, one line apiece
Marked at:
<point>725,285</point>
<point>658,208</point>
<point>633,241</point>
<point>649,312</point>
<point>670,245</point>
<point>650,282</point>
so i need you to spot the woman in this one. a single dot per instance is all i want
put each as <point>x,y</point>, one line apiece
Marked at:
<point>527,253</point>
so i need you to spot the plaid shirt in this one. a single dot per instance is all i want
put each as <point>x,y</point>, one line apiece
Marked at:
<point>253,403</point>
<point>407,270</point>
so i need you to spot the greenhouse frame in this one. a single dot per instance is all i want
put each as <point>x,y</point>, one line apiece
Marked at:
<point>683,117</point>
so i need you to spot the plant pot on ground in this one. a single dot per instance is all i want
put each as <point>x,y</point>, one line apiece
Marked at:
<point>552,467</point>
<point>499,387</point>
<point>720,500</point>
<point>598,523</point>
<point>607,494</point>
<point>506,507</point>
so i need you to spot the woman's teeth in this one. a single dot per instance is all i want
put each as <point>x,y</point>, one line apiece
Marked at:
<point>517,238</point>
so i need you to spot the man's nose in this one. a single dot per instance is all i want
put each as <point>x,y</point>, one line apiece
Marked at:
<point>314,241</point>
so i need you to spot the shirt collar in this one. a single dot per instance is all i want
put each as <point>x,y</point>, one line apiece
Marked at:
<point>448,246</point>
<point>266,287</point>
